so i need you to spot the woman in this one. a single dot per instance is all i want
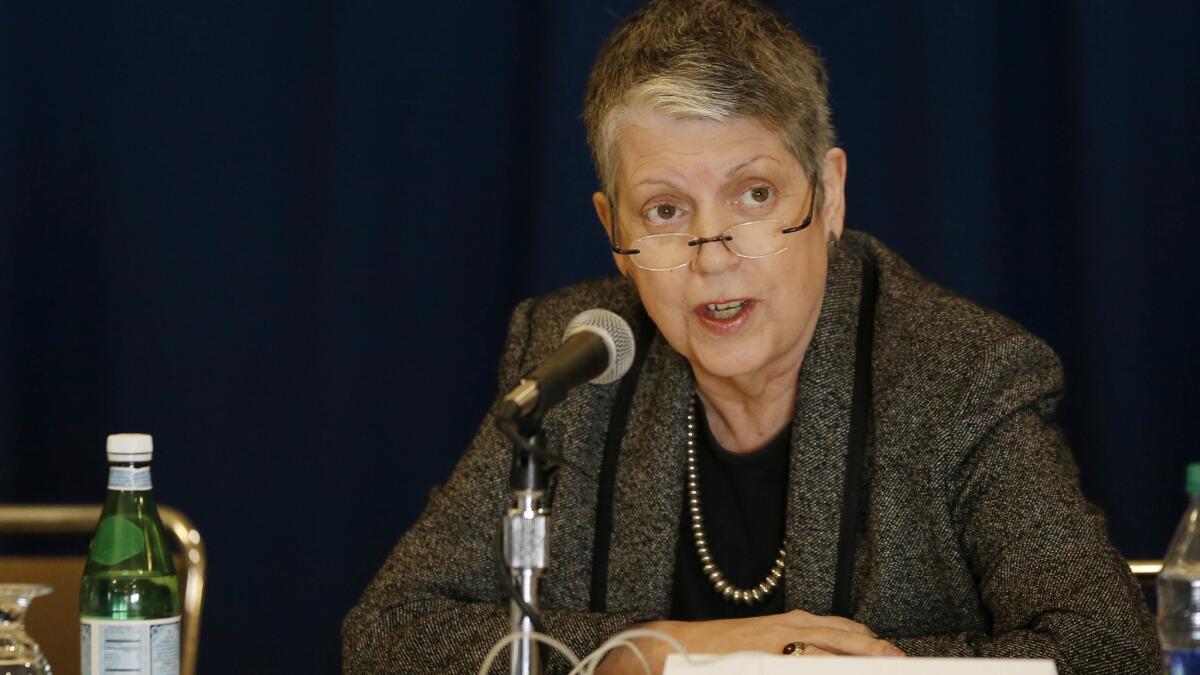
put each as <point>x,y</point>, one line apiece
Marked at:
<point>873,466</point>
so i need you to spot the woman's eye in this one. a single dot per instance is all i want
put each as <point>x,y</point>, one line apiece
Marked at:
<point>757,195</point>
<point>662,213</point>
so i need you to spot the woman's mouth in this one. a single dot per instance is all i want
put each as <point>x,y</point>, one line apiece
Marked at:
<point>725,317</point>
<point>725,310</point>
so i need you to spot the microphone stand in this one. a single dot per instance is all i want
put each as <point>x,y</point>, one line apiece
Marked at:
<point>526,541</point>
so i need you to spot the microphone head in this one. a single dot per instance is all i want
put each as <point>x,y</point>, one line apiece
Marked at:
<point>617,336</point>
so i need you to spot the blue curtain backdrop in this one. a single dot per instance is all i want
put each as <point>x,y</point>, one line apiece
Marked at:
<point>285,238</point>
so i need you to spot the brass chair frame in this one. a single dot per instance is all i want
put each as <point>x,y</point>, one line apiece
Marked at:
<point>82,519</point>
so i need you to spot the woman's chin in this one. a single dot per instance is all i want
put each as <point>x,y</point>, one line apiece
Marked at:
<point>727,362</point>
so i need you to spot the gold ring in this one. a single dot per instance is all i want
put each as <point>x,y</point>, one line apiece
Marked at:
<point>794,648</point>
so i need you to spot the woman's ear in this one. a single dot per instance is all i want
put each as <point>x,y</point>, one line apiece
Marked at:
<point>604,212</point>
<point>833,184</point>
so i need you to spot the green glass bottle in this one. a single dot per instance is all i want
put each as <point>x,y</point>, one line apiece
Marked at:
<point>129,603</point>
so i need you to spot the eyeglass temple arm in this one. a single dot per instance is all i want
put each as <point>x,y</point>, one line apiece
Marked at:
<point>612,208</point>
<point>812,204</point>
<point>805,223</point>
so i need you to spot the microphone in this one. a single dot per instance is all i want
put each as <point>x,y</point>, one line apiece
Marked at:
<point>597,346</point>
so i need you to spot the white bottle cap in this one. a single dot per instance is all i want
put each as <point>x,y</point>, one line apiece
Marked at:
<point>130,447</point>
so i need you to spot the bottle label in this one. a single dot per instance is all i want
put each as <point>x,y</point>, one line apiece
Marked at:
<point>130,478</point>
<point>149,647</point>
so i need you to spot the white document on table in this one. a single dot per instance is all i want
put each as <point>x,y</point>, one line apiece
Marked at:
<point>757,663</point>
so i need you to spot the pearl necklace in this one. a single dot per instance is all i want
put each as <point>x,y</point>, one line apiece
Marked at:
<point>728,591</point>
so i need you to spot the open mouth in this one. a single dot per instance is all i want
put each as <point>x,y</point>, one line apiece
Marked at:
<point>723,311</point>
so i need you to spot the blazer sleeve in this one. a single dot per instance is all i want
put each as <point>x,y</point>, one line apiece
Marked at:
<point>1053,583</point>
<point>435,606</point>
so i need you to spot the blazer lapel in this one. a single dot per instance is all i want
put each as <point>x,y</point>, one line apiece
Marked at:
<point>649,485</point>
<point>819,442</point>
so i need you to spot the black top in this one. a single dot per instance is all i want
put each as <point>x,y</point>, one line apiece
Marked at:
<point>743,499</point>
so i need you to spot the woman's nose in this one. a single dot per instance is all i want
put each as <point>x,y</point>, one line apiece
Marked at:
<point>714,255</point>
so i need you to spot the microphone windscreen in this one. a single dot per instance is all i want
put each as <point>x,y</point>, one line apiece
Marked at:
<point>618,338</point>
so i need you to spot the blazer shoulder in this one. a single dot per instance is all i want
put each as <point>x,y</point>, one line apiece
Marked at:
<point>932,340</point>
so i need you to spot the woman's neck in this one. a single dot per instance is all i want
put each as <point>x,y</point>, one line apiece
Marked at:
<point>746,412</point>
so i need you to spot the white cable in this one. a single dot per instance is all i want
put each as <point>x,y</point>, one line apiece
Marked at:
<point>536,637</point>
<point>620,639</point>
<point>592,661</point>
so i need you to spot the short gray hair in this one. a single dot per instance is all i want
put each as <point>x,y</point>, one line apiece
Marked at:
<point>709,59</point>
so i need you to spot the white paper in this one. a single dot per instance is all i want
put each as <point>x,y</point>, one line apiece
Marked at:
<point>757,663</point>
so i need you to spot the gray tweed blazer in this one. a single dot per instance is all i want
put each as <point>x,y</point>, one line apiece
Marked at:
<point>975,539</point>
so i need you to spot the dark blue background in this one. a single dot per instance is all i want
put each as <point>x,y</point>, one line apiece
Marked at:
<point>285,238</point>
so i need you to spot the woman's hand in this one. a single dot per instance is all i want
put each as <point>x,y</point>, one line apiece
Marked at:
<point>821,635</point>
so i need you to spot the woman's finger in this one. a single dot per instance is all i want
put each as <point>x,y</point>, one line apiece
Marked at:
<point>846,642</point>
<point>816,651</point>
<point>848,624</point>
<point>801,618</point>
